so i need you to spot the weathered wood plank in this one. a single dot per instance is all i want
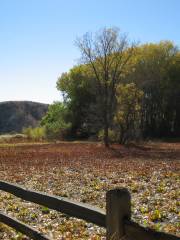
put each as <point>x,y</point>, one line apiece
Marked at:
<point>21,227</point>
<point>118,206</point>
<point>136,232</point>
<point>61,204</point>
<point>132,231</point>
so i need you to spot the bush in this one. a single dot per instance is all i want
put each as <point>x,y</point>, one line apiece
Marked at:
<point>38,133</point>
<point>56,121</point>
<point>112,135</point>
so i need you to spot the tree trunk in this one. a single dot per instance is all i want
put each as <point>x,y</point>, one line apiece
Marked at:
<point>106,135</point>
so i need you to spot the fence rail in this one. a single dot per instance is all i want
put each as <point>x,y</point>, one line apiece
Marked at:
<point>60,204</point>
<point>21,227</point>
<point>117,219</point>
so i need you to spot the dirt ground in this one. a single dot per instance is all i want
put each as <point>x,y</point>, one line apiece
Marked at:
<point>85,172</point>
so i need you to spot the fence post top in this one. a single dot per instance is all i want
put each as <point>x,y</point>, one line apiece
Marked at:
<point>118,192</point>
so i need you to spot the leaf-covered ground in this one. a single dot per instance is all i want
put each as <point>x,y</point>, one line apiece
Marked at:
<point>84,172</point>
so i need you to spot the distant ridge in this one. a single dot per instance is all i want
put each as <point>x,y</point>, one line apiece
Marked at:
<point>15,115</point>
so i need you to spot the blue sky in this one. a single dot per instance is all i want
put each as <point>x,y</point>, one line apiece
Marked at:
<point>37,37</point>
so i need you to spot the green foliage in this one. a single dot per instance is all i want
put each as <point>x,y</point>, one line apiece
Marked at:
<point>107,52</point>
<point>156,215</point>
<point>113,136</point>
<point>55,122</point>
<point>127,116</point>
<point>45,210</point>
<point>38,133</point>
<point>154,69</point>
<point>79,91</point>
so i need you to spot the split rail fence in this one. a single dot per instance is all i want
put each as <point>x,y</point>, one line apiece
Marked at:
<point>116,220</point>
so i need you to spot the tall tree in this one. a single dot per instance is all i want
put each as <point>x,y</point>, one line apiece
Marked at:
<point>128,112</point>
<point>156,73</point>
<point>107,53</point>
<point>79,94</point>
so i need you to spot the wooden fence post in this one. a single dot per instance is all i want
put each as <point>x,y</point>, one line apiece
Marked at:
<point>118,207</point>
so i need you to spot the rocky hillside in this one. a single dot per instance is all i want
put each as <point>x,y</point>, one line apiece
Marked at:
<point>15,115</point>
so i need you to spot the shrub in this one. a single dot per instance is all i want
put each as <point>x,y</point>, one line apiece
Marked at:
<point>38,133</point>
<point>112,135</point>
<point>56,121</point>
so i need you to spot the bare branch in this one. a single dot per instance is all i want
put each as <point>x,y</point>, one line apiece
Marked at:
<point>108,54</point>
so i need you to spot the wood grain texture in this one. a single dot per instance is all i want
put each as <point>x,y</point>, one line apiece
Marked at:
<point>118,206</point>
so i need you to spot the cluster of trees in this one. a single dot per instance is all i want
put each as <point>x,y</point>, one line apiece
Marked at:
<point>119,92</point>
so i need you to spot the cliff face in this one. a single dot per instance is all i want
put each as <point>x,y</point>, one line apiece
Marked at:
<point>15,115</point>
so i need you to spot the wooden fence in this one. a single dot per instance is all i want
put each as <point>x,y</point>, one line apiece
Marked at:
<point>116,220</point>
